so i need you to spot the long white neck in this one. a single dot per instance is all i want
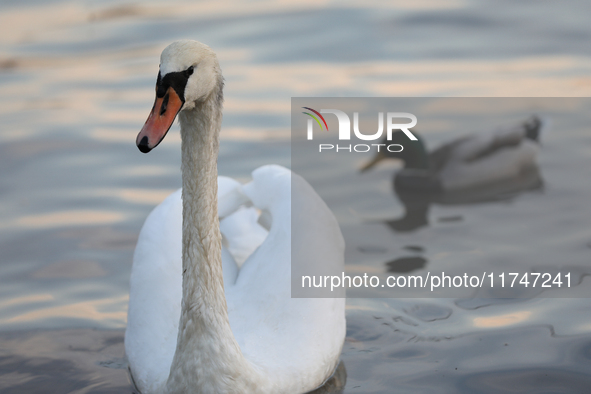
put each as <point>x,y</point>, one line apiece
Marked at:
<point>207,358</point>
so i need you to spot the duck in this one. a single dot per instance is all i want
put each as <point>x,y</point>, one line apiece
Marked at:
<point>464,163</point>
<point>202,319</point>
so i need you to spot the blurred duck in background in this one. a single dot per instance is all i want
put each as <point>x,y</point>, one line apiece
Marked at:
<point>466,162</point>
<point>483,167</point>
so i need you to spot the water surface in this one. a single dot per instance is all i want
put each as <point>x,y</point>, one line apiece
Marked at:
<point>77,84</point>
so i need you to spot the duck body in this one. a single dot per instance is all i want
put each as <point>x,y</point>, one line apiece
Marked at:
<point>489,157</point>
<point>198,320</point>
<point>467,162</point>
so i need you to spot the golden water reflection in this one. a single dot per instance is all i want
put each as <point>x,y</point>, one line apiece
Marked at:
<point>67,218</point>
<point>504,320</point>
<point>74,269</point>
<point>109,311</point>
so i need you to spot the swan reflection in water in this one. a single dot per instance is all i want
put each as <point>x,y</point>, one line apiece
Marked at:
<point>485,167</point>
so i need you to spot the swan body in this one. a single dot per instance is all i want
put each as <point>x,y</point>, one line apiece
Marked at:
<point>198,321</point>
<point>466,162</point>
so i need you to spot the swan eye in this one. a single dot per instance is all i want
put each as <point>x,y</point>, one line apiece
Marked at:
<point>164,104</point>
<point>189,71</point>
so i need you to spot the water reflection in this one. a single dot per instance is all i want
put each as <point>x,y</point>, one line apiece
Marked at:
<point>406,264</point>
<point>73,269</point>
<point>416,209</point>
<point>504,320</point>
<point>417,204</point>
<point>109,310</point>
<point>507,359</point>
<point>63,361</point>
<point>67,219</point>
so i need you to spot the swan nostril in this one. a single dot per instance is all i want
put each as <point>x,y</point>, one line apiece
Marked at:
<point>143,145</point>
<point>164,104</point>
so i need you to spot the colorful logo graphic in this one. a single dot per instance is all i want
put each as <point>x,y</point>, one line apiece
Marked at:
<point>315,118</point>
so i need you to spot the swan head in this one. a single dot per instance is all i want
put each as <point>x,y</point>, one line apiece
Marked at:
<point>189,74</point>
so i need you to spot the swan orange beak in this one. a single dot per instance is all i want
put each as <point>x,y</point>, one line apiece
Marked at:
<point>161,118</point>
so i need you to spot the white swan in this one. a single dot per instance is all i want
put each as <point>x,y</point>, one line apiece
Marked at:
<point>230,329</point>
<point>467,162</point>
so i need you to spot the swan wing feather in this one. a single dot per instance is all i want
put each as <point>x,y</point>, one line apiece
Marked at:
<point>275,331</point>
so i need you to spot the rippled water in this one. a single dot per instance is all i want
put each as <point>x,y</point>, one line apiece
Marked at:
<point>77,84</point>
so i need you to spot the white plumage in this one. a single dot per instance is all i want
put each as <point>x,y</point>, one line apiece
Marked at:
<point>266,342</point>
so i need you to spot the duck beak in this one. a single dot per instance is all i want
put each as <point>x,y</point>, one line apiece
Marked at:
<point>376,159</point>
<point>161,118</point>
